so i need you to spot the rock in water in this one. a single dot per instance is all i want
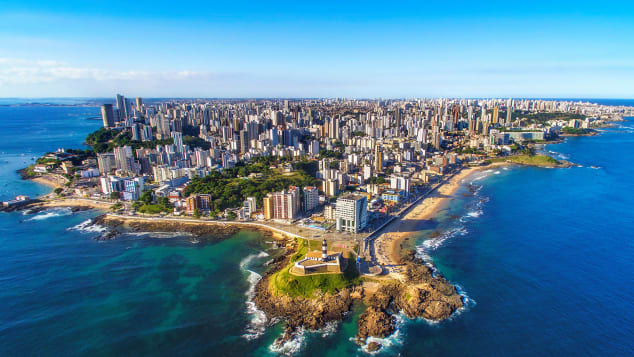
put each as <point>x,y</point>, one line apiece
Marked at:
<point>375,322</point>
<point>374,346</point>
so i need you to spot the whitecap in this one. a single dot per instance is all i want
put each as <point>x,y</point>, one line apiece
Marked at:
<point>50,213</point>
<point>159,235</point>
<point>328,330</point>
<point>88,227</point>
<point>257,322</point>
<point>292,346</point>
<point>497,172</point>
<point>432,244</point>
<point>390,342</point>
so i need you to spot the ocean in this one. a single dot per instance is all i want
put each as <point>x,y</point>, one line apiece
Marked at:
<point>543,257</point>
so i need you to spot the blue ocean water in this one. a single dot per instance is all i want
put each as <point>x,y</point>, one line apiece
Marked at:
<point>544,256</point>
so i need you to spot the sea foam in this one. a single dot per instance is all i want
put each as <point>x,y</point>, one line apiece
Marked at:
<point>257,323</point>
<point>88,227</point>
<point>50,213</point>
<point>292,346</point>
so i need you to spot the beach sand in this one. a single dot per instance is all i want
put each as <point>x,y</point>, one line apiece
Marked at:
<point>74,202</point>
<point>388,244</point>
<point>49,181</point>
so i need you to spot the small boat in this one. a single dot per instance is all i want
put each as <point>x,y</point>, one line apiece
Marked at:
<point>195,241</point>
<point>595,167</point>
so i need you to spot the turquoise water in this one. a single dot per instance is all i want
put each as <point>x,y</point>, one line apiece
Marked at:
<point>543,255</point>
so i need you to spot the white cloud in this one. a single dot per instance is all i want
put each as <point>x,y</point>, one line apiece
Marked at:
<point>22,71</point>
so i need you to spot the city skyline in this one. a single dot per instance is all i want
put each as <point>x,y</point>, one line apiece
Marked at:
<point>359,50</point>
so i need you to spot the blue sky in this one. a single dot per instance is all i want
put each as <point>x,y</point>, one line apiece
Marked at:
<point>325,49</point>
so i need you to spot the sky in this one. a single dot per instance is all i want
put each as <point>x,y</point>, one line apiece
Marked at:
<point>365,49</point>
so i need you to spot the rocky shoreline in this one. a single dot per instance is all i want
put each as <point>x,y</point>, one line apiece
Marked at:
<point>424,294</point>
<point>201,231</point>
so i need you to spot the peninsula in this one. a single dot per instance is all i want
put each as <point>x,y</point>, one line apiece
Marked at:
<point>340,184</point>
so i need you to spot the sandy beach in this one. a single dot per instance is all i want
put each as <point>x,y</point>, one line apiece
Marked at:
<point>50,181</point>
<point>73,202</point>
<point>388,244</point>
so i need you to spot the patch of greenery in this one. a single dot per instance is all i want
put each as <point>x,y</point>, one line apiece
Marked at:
<point>377,180</point>
<point>104,140</point>
<point>532,160</point>
<point>575,131</point>
<point>229,188</point>
<point>152,208</point>
<point>196,142</point>
<point>542,118</point>
<point>283,282</point>
<point>28,171</point>
<point>337,154</point>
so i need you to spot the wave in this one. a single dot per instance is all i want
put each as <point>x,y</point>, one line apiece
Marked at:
<point>291,346</point>
<point>390,342</point>
<point>432,244</point>
<point>160,235</point>
<point>50,213</point>
<point>257,323</point>
<point>88,227</point>
<point>497,172</point>
<point>483,176</point>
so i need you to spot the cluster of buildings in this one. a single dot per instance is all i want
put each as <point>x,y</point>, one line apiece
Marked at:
<point>371,154</point>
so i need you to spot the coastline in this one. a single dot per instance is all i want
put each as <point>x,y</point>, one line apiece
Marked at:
<point>194,225</point>
<point>391,240</point>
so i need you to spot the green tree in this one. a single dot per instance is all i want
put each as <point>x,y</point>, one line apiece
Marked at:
<point>115,195</point>
<point>58,190</point>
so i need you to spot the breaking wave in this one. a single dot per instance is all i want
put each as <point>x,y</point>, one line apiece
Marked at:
<point>50,213</point>
<point>88,227</point>
<point>257,323</point>
<point>390,342</point>
<point>291,346</point>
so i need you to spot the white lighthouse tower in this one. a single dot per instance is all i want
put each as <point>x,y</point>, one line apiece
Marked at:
<point>324,250</point>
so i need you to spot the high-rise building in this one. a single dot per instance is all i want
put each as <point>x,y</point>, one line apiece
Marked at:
<point>311,198</point>
<point>244,141</point>
<point>378,159</point>
<point>284,205</point>
<point>107,116</point>
<point>267,206</point>
<point>123,158</point>
<point>249,206</point>
<point>331,188</point>
<point>139,104</point>
<point>122,107</point>
<point>199,202</point>
<point>509,112</point>
<point>106,163</point>
<point>351,213</point>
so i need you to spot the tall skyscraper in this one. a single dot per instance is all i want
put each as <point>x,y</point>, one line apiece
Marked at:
<point>509,112</point>
<point>107,116</point>
<point>244,141</point>
<point>378,159</point>
<point>121,107</point>
<point>139,104</point>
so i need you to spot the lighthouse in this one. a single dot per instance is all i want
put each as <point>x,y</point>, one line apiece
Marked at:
<point>324,250</point>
